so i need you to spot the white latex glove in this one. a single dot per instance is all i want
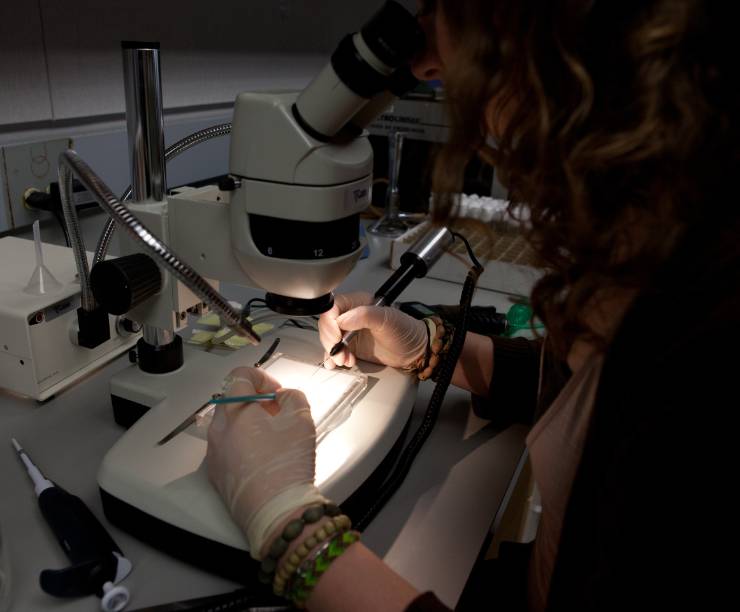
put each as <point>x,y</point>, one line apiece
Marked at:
<point>389,337</point>
<point>262,456</point>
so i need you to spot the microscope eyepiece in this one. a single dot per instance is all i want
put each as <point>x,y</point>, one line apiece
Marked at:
<point>355,72</point>
<point>393,35</point>
<point>360,68</point>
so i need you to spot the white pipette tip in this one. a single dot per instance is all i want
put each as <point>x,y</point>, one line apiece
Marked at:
<point>40,482</point>
<point>42,280</point>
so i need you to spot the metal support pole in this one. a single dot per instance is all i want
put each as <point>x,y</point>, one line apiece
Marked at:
<point>143,90</point>
<point>156,336</point>
<point>142,83</point>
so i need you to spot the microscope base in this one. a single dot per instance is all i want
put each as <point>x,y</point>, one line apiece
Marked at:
<point>161,494</point>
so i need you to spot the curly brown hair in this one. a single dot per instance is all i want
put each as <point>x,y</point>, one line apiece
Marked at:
<point>619,132</point>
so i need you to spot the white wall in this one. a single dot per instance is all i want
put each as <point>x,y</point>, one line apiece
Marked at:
<point>61,59</point>
<point>24,88</point>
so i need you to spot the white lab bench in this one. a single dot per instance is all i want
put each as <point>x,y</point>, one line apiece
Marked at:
<point>430,532</point>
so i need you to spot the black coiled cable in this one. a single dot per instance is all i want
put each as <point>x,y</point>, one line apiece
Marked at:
<point>444,377</point>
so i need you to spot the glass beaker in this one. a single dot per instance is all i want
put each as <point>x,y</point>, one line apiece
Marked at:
<point>391,224</point>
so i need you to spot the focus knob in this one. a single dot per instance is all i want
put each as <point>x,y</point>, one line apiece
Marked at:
<point>123,283</point>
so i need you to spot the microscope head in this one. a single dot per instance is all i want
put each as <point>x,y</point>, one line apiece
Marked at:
<point>304,167</point>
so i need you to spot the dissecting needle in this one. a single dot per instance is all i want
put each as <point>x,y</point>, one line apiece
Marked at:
<point>415,263</point>
<point>380,300</point>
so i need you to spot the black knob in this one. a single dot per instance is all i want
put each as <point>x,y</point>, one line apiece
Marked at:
<point>229,183</point>
<point>129,326</point>
<point>120,284</point>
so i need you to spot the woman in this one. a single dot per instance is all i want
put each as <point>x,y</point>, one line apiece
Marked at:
<point>617,124</point>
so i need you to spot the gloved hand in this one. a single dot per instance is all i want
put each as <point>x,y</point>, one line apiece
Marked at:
<point>262,456</point>
<point>389,336</point>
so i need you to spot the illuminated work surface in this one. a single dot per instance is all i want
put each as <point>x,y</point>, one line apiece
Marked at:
<point>330,393</point>
<point>459,479</point>
<point>170,482</point>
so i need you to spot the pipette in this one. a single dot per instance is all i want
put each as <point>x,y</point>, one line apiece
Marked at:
<point>97,562</point>
<point>415,263</point>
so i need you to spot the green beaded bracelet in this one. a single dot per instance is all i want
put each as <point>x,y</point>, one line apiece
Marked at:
<point>308,574</point>
<point>308,562</point>
<point>291,531</point>
<point>290,563</point>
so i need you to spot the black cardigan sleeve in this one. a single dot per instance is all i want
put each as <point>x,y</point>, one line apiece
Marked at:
<point>513,394</point>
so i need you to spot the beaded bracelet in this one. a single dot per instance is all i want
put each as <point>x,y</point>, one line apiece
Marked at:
<point>290,532</point>
<point>440,340</point>
<point>289,565</point>
<point>311,570</point>
<point>308,563</point>
<point>446,345</point>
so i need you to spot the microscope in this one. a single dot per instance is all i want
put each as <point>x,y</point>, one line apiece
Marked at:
<point>286,221</point>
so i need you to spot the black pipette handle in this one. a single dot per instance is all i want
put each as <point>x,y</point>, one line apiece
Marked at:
<point>96,559</point>
<point>76,528</point>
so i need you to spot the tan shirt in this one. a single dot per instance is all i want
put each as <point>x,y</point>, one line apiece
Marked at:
<point>555,446</point>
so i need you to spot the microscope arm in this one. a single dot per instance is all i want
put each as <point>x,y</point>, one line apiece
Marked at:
<point>182,145</point>
<point>70,161</point>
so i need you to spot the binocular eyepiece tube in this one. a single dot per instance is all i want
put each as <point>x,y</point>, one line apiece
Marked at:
<point>361,69</point>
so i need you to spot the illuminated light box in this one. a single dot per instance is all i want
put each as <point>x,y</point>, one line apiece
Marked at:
<point>330,393</point>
